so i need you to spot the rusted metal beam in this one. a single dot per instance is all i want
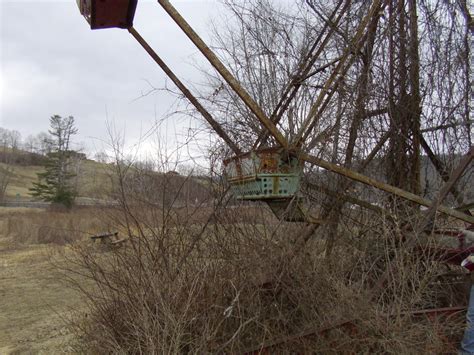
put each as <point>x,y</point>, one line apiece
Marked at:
<point>253,106</point>
<point>466,207</point>
<point>102,14</point>
<point>455,176</point>
<point>340,70</point>
<point>272,347</point>
<point>207,116</point>
<point>383,186</point>
<point>222,70</point>
<point>439,166</point>
<point>446,126</point>
<point>304,70</point>
<point>347,198</point>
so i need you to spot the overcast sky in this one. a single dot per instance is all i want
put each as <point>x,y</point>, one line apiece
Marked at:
<point>52,63</point>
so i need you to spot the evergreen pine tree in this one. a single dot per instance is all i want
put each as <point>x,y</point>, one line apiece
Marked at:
<point>54,184</point>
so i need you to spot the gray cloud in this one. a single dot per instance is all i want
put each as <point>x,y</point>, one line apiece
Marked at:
<point>52,63</point>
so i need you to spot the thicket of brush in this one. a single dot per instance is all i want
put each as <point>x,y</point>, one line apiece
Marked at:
<point>188,281</point>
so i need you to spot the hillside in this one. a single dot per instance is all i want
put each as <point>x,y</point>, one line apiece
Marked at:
<point>95,180</point>
<point>92,180</point>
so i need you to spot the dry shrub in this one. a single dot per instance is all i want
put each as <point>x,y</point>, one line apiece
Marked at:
<point>235,289</point>
<point>214,284</point>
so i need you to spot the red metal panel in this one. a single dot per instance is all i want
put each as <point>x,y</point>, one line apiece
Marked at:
<point>108,13</point>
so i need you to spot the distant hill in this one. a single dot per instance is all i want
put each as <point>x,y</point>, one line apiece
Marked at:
<point>168,189</point>
<point>92,180</point>
<point>95,180</point>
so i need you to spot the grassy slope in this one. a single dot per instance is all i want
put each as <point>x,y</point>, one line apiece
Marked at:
<point>23,178</point>
<point>93,180</point>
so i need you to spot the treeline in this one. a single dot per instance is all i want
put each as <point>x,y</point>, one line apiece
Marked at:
<point>31,150</point>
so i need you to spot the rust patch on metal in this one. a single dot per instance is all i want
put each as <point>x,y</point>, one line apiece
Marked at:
<point>268,164</point>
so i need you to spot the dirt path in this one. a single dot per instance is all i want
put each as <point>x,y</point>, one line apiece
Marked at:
<point>33,303</point>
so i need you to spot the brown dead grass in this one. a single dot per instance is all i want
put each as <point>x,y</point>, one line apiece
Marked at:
<point>35,303</point>
<point>35,226</point>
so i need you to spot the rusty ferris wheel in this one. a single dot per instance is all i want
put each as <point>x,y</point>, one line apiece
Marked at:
<point>271,170</point>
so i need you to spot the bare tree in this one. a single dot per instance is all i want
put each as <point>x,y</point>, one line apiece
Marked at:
<point>396,111</point>
<point>6,174</point>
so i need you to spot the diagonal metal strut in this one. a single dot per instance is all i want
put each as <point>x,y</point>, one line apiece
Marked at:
<point>343,65</point>
<point>214,124</point>
<point>384,187</point>
<point>303,71</point>
<point>257,110</point>
<point>228,77</point>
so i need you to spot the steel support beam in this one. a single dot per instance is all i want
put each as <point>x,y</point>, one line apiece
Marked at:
<point>304,70</point>
<point>253,106</point>
<point>220,67</point>
<point>338,72</point>
<point>455,176</point>
<point>383,186</point>
<point>207,116</point>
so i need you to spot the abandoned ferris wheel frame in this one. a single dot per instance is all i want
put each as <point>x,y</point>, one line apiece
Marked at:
<point>271,170</point>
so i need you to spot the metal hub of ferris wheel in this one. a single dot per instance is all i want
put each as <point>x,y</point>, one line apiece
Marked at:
<point>272,175</point>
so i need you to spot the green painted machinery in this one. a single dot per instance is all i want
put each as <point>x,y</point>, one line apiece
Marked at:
<point>265,174</point>
<point>271,175</point>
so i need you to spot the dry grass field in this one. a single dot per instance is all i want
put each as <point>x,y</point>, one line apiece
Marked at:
<point>35,303</point>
